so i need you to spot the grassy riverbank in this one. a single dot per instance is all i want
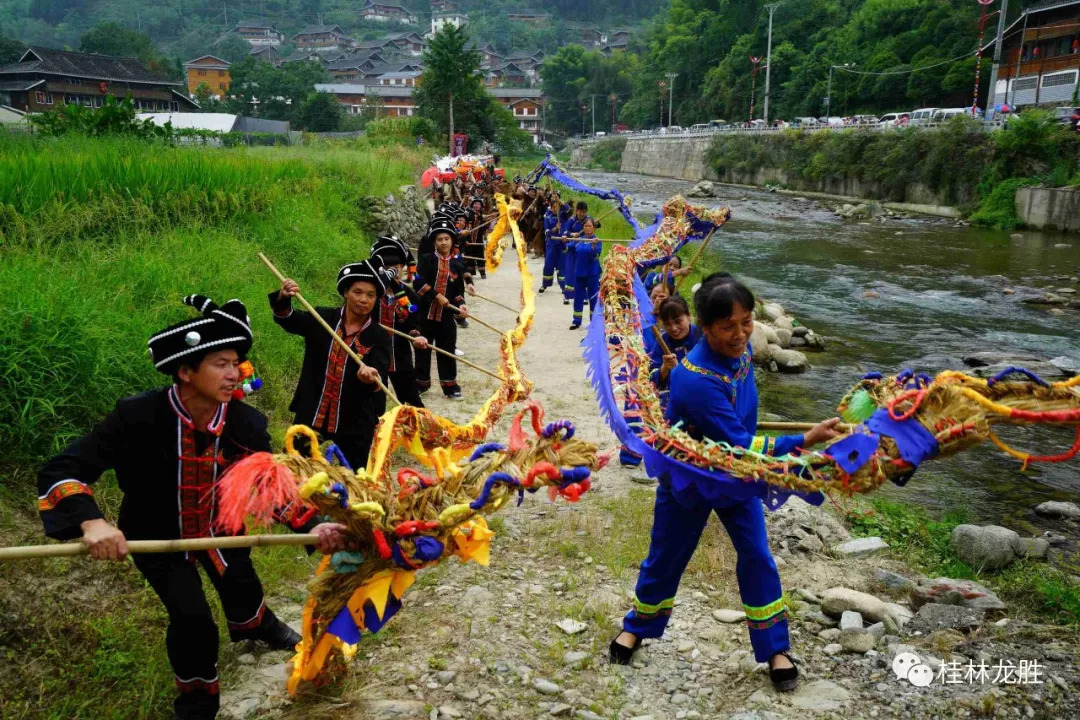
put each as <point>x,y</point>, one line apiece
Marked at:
<point>100,241</point>
<point>1031,588</point>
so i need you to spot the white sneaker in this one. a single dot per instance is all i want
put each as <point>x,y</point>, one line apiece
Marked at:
<point>459,353</point>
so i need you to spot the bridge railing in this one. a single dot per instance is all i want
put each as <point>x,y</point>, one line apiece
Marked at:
<point>762,129</point>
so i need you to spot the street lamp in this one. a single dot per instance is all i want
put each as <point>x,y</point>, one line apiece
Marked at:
<point>584,111</point>
<point>978,59</point>
<point>828,94</point>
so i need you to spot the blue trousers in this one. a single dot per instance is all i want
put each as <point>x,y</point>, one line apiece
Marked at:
<point>585,287</point>
<point>553,264</point>
<point>569,261</point>
<point>675,534</point>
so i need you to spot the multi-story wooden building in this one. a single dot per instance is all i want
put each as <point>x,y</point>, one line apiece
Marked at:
<point>213,71</point>
<point>322,37</point>
<point>259,33</point>
<point>1040,60</point>
<point>44,78</point>
<point>527,104</point>
<point>386,12</point>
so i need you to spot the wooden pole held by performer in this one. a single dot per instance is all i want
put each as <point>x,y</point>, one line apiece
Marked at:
<point>337,338</point>
<point>161,546</point>
<point>392,331</point>
<point>495,302</point>
<point>697,256</point>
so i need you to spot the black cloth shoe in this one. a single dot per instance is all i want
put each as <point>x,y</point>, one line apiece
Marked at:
<point>784,679</point>
<point>620,654</point>
<point>279,636</point>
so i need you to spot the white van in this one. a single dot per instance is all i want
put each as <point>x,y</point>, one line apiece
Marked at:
<point>922,116</point>
<point>945,113</point>
<point>895,119</point>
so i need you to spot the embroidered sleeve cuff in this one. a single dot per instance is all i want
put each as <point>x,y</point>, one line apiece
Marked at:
<point>65,506</point>
<point>424,290</point>
<point>763,444</point>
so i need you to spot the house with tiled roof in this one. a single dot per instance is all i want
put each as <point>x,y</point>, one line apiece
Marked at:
<point>210,71</point>
<point>322,37</point>
<point>386,12</point>
<point>44,78</point>
<point>258,33</point>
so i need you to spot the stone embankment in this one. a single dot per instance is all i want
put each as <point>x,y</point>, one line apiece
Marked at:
<point>404,214</point>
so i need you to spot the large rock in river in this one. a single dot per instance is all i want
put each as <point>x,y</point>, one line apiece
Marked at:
<point>789,361</point>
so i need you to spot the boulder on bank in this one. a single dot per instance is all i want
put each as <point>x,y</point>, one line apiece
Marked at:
<point>789,361</point>
<point>989,547</point>
<point>950,591</point>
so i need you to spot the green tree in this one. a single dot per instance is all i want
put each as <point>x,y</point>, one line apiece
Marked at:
<point>320,112</point>
<point>114,39</point>
<point>232,47</point>
<point>450,86</point>
<point>10,50</point>
<point>279,92</point>
<point>207,99</point>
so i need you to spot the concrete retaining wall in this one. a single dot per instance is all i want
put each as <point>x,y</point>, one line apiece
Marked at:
<point>682,158</point>
<point>1053,208</point>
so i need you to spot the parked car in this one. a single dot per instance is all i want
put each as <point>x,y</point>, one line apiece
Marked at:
<point>922,116</point>
<point>675,129</point>
<point>718,124</point>
<point>600,133</point>
<point>758,123</point>
<point>899,119</point>
<point>865,120</point>
<point>832,121</point>
<point>944,114</point>
<point>805,122</point>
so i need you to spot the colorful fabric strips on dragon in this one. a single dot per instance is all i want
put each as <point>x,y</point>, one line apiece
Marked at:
<point>902,421</point>
<point>403,520</point>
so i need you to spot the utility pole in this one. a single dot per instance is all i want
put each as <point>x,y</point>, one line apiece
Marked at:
<point>768,59</point>
<point>997,60</point>
<point>671,95</point>
<point>451,122</point>
<point>594,114</point>
<point>828,93</point>
<point>225,7</point>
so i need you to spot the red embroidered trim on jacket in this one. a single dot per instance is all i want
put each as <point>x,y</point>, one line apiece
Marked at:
<point>329,412</point>
<point>442,279</point>
<point>61,490</point>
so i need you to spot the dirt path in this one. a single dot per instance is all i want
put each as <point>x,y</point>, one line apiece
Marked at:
<point>474,642</point>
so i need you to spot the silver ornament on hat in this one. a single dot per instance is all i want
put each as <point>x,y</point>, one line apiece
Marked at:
<point>193,338</point>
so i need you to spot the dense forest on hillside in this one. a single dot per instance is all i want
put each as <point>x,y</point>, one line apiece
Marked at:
<point>186,28</point>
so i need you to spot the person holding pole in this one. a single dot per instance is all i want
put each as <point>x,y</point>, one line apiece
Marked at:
<point>440,282</point>
<point>587,270</point>
<point>556,214</point>
<point>168,447</point>
<point>571,229</point>
<point>398,311</point>
<point>335,397</point>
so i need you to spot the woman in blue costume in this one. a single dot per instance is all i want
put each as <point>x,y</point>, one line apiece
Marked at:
<point>679,336</point>
<point>713,395</point>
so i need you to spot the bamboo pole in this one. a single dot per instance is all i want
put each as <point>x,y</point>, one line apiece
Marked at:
<point>582,239</point>
<point>804,426</point>
<point>161,546</point>
<point>697,256</point>
<point>392,331</point>
<point>660,339</point>
<point>337,338</point>
<point>495,302</point>
<point>473,257</point>
<point>494,329</point>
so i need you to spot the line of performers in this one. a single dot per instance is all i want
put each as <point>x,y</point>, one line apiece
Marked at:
<point>168,446</point>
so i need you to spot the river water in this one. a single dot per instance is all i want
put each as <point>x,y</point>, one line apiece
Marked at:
<point>916,293</point>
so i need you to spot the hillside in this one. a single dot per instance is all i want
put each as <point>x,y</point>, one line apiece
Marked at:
<point>183,29</point>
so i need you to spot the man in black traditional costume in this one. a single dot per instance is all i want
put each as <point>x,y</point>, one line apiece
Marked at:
<point>168,447</point>
<point>334,397</point>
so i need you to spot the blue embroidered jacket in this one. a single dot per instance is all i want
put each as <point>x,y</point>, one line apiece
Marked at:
<point>680,347</point>
<point>571,225</point>
<point>587,261</point>
<point>715,397</point>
